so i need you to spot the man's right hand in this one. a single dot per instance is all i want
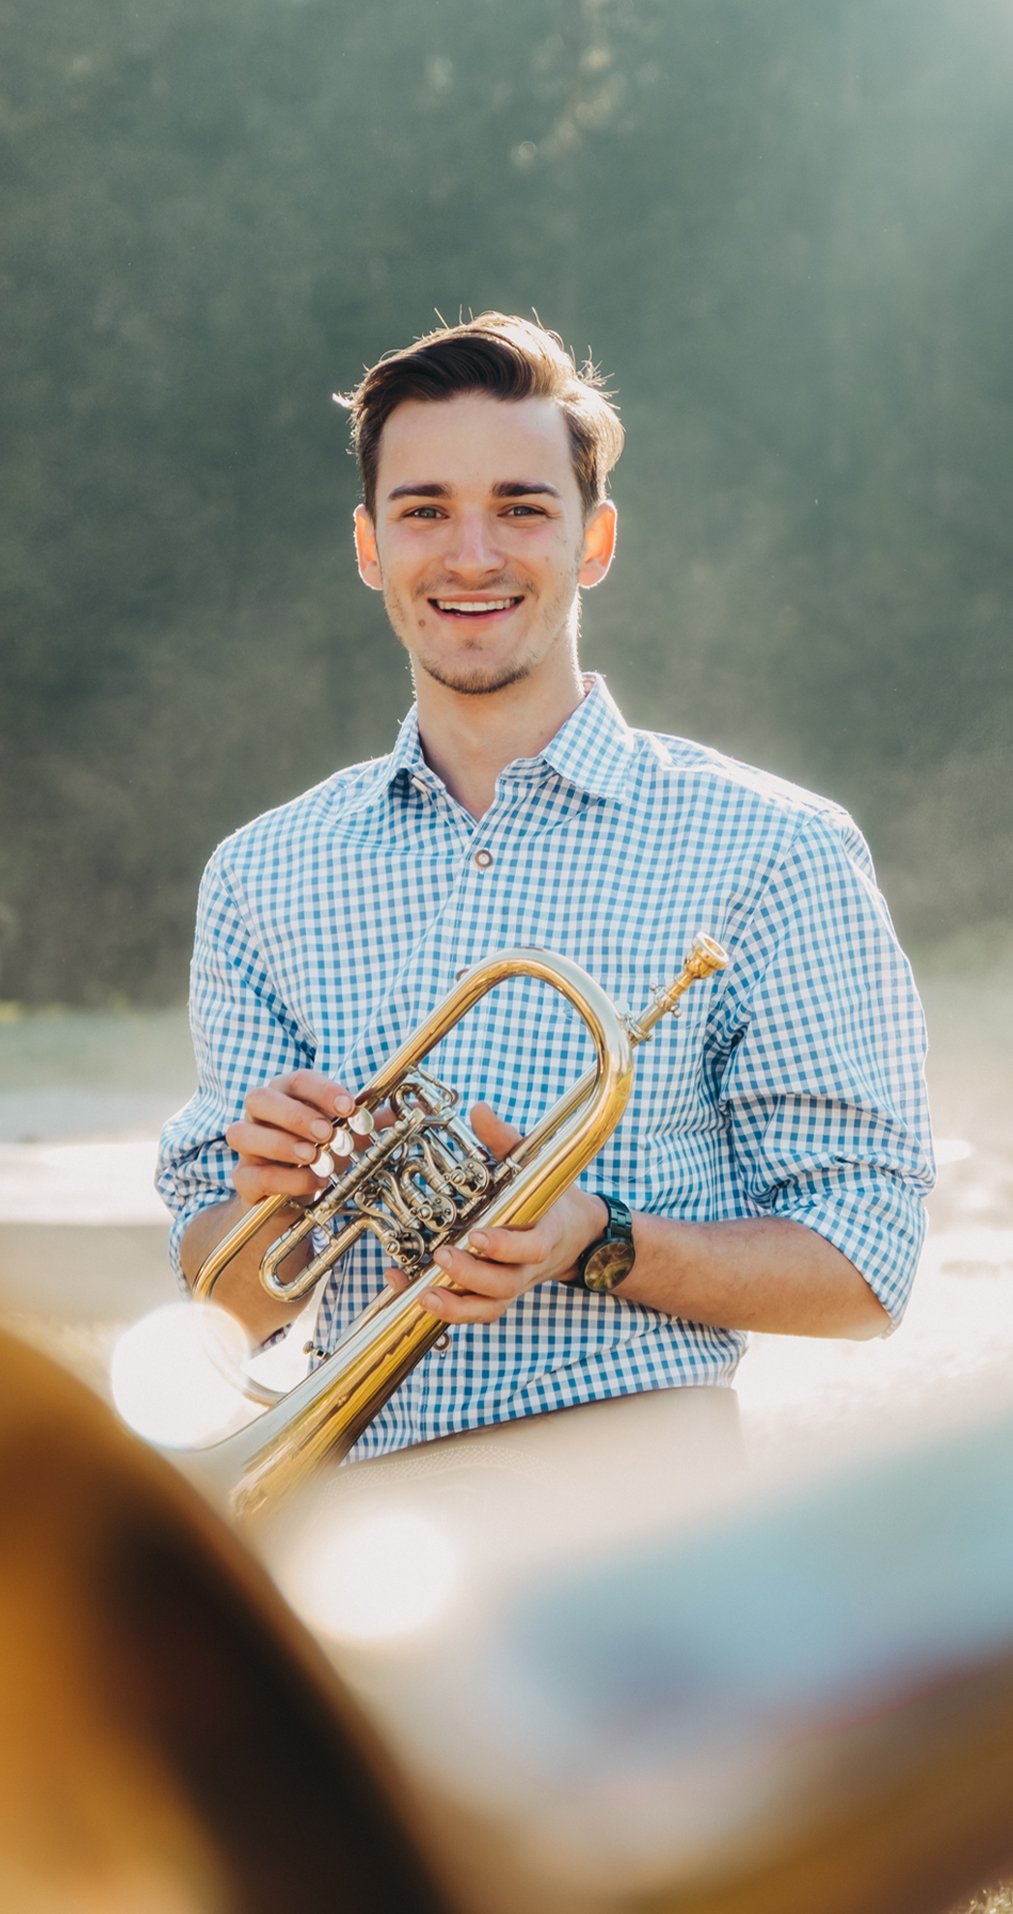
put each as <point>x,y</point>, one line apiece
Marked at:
<point>285,1125</point>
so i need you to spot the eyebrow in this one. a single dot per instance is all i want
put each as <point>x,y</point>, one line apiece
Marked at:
<point>503,488</point>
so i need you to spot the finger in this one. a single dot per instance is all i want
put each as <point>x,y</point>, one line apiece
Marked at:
<point>396,1279</point>
<point>316,1089</point>
<point>270,1109</point>
<point>499,1137</point>
<point>451,1307</point>
<point>506,1245</point>
<point>255,1143</point>
<point>350,1124</point>
<point>498,1281</point>
<point>254,1181</point>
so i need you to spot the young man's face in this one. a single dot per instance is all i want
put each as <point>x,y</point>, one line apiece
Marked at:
<point>479,541</point>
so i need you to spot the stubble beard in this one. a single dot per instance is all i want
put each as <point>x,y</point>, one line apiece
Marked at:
<point>479,684</point>
<point>477,677</point>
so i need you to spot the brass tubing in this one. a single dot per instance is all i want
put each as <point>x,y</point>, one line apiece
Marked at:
<point>326,1412</point>
<point>368,1371</point>
<point>586,996</point>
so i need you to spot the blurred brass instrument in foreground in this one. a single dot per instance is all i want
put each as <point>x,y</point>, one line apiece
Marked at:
<point>730,1718</point>
<point>419,1182</point>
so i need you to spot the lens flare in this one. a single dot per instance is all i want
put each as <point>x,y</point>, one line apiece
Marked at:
<point>383,1574</point>
<point>169,1375</point>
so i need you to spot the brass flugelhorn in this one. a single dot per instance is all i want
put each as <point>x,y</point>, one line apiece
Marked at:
<point>421,1181</point>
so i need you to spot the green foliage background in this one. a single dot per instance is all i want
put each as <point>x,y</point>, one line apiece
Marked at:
<point>785,231</point>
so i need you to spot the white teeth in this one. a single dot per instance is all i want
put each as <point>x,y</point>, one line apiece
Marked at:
<point>488,604</point>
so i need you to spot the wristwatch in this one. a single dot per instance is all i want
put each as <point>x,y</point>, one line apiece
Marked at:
<point>608,1260</point>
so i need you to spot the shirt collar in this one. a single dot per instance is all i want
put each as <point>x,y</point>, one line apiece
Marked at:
<point>407,755</point>
<point>593,750</point>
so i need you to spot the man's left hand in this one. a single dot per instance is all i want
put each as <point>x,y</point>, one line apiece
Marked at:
<point>502,1263</point>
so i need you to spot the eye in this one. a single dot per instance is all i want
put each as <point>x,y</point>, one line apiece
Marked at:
<point>423,511</point>
<point>524,511</point>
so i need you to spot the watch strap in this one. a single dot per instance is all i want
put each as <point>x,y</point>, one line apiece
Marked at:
<point>618,1228</point>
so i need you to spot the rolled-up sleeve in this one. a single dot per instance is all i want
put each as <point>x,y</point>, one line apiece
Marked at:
<point>824,1090</point>
<point>242,1035</point>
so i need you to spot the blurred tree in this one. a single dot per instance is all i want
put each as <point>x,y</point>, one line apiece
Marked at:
<point>785,231</point>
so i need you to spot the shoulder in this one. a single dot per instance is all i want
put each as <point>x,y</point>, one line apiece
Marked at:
<point>715,772</point>
<point>301,822</point>
<point>725,791</point>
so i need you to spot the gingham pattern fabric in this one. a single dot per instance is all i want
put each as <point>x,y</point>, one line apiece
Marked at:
<point>791,1086</point>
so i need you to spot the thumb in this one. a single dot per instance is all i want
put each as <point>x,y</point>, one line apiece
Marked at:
<point>498,1137</point>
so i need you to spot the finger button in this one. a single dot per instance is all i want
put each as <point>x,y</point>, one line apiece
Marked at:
<point>362,1122</point>
<point>323,1163</point>
<point>342,1141</point>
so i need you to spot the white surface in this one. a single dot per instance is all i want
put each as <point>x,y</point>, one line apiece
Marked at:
<point>100,1183</point>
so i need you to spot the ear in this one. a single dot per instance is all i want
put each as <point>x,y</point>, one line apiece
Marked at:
<point>366,555</point>
<point>599,543</point>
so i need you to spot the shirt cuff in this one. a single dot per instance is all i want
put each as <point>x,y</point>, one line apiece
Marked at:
<point>877,1222</point>
<point>182,1218</point>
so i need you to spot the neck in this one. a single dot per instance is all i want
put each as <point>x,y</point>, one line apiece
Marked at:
<point>469,738</point>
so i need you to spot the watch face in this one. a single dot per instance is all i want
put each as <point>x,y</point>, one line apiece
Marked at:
<point>608,1264</point>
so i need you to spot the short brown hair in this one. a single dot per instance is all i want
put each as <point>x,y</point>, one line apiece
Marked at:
<point>506,357</point>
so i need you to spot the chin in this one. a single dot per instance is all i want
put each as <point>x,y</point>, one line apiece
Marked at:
<point>479,681</point>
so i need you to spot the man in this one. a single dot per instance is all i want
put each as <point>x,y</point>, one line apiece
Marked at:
<point>769,1171</point>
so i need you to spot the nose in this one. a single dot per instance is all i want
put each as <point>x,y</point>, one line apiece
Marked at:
<point>473,548</point>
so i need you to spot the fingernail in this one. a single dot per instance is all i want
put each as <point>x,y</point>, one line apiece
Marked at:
<point>478,1239</point>
<point>322,1130</point>
<point>306,1151</point>
<point>343,1103</point>
<point>443,1258</point>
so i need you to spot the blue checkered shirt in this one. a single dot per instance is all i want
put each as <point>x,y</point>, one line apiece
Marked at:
<point>791,1086</point>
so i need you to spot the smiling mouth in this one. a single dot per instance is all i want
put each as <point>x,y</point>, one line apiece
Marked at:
<point>472,607</point>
